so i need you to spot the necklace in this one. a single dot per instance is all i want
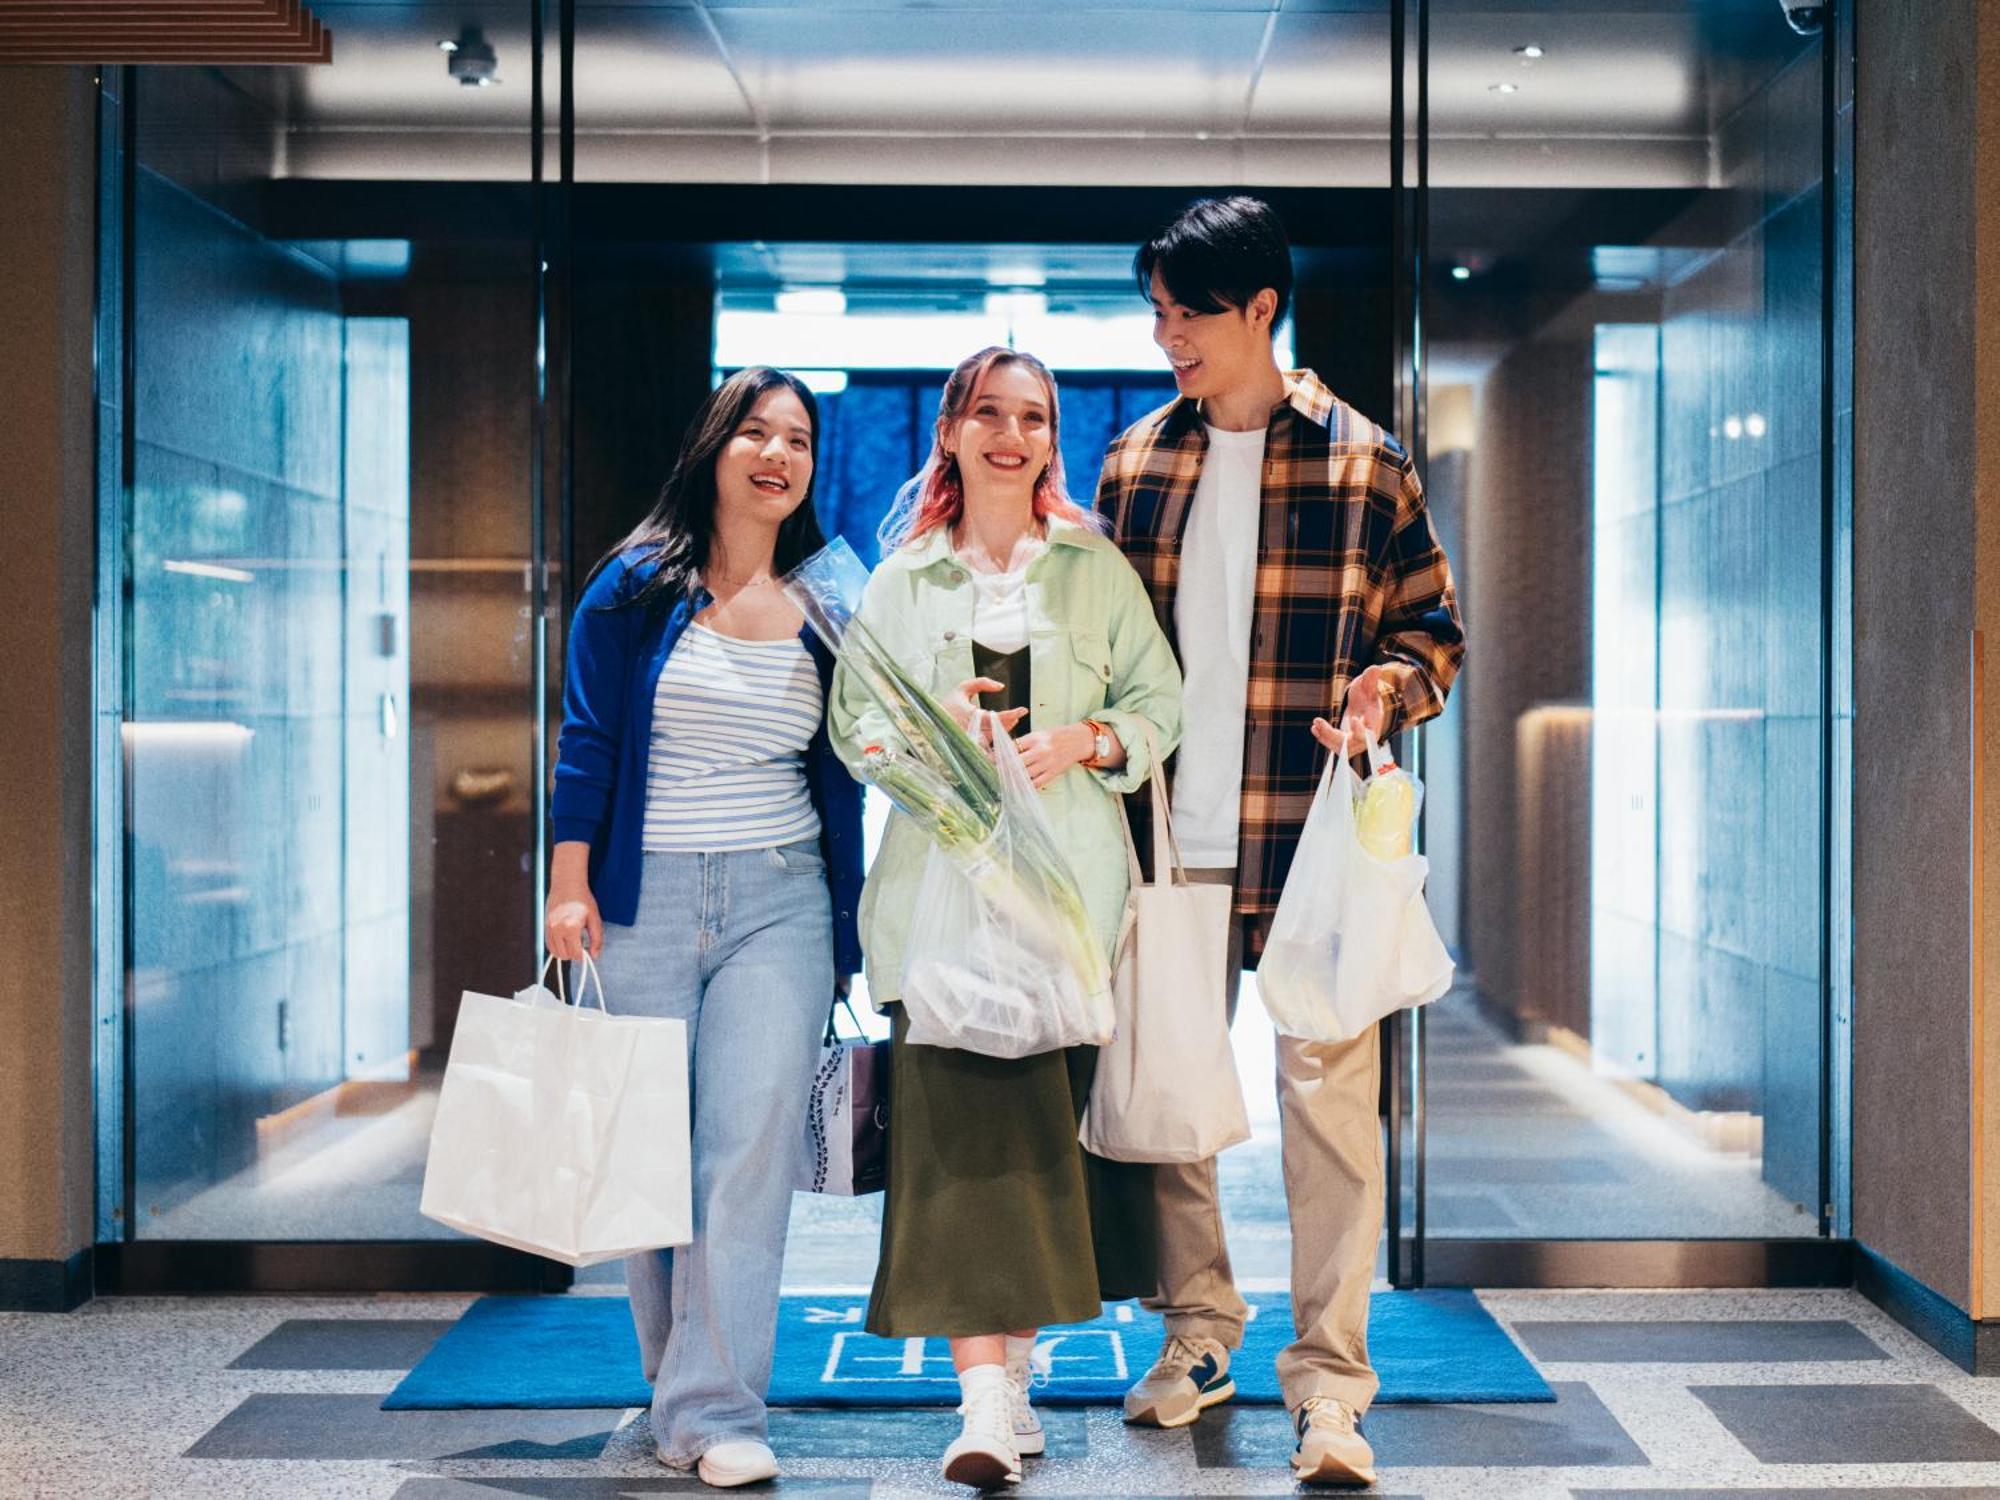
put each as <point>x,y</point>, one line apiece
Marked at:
<point>742,583</point>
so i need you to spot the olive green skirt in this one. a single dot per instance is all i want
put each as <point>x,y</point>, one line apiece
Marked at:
<point>995,1219</point>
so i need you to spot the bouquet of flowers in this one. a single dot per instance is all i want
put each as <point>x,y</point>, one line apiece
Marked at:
<point>1002,957</point>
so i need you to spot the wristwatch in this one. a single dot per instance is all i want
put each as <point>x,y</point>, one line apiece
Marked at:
<point>1101,743</point>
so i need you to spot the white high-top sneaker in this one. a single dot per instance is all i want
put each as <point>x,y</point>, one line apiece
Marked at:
<point>1027,1367</point>
<point>983,1454</point>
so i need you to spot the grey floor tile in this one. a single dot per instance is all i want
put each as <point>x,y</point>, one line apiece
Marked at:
<point>1453,1213</point>
<point>355,1427</point>
<point>1746,1341</point>
<point>1475,1069</point>
<point>622,1489</point>
<point>1850,1424</point>
<point>343,1344</point>
<point>808,1432</point>
<point>1576,1431</point>
<point>1497,1099</point>
<point>1585,1171</point>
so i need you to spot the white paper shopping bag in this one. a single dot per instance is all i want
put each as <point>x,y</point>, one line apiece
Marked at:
<point>562,1130</point>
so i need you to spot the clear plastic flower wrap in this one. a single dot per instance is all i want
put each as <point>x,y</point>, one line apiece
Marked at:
<point>1002,958</point>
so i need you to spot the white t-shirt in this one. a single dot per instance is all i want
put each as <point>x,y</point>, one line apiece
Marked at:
<point>1212,611</point>
<point>1000,602</point>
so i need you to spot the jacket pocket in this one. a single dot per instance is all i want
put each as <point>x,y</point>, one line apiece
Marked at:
<point>1092,653</point>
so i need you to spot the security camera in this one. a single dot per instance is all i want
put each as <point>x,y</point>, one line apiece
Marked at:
<point>471,60</point>
<point>1806,17</point>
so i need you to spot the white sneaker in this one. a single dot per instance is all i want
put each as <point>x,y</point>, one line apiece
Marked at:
<point>1026,1369</point>
<point>983,1454</point>
<point>1190,1376</point>
<point>726,1465</point>
<point>1331,1449</point>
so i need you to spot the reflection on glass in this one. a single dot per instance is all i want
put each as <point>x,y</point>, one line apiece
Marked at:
<point>1626,295</point>
<point>325,747</point>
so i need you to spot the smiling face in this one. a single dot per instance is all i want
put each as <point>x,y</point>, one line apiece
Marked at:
<point>1213,353</point>
<point>765,467</point>
<point>1005,434</point>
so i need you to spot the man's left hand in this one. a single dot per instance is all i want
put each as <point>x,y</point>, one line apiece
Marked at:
<point>1364,709</point>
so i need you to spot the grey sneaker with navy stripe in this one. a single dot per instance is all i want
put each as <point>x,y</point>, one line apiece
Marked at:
<point>1190,1376</point>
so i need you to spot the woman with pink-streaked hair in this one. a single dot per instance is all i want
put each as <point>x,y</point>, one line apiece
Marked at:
<point>1002,594</point>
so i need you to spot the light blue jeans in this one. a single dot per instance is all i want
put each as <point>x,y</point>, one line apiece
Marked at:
<point>740,946</point>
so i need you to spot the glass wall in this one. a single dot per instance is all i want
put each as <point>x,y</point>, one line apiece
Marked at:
<point>1623,310</point>
<point>385,393</point>
<point>325,667</point>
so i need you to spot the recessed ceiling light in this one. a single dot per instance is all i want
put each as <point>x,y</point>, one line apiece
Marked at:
<point>1529,50</point>
<point>1505,88</point>
<point>1461,273</point>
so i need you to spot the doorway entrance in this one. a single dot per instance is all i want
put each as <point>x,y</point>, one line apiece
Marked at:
<point>471,321</point>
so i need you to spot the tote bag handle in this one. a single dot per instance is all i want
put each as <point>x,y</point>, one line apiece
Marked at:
<point>1165,846</point>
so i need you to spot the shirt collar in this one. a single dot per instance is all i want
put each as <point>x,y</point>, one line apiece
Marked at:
<point>935,545</point>
<point>1305,393</point>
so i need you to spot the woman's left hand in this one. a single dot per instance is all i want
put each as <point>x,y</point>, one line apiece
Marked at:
<point>1047,753</point>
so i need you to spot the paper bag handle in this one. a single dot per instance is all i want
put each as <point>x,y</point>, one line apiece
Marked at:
<point>582,990</point>
<point>841,1003</point>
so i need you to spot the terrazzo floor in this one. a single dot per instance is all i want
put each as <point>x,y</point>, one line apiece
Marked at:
<point>1660,1394</point>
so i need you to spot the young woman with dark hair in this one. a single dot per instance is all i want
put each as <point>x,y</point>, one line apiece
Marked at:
<point>708,855</point>
<point>1003,594</point>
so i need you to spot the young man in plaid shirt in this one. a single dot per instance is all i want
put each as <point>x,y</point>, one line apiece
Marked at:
<point>1284,541</point>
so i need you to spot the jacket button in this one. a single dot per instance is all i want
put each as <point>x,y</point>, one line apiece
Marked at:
<point>951,635</point>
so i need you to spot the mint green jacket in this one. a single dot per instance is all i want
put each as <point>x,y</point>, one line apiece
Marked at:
<point>1095,651</point>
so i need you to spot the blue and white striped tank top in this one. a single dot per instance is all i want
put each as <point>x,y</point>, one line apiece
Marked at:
<point>732,720</point>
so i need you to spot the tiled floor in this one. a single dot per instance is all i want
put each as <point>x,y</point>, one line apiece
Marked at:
<point>1659,1394</point>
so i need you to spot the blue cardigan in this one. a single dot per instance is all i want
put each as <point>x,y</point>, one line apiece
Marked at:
<point>615,660</point>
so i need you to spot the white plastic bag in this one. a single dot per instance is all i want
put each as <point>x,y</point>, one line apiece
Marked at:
<point>991,965</point>
<point>1352,940</point>
<point>562,1130</point>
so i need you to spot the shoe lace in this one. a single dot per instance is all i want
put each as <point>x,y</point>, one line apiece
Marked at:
<point>1032,1371</point>
<point>989,1414</point>
<point>1178,1357</point>
<point>1029,1373</point>
<point>1324,1411</point>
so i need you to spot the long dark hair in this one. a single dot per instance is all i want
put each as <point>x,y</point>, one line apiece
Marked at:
<point>679,528</point>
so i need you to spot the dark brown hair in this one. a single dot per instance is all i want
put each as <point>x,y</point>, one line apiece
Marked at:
<point>678,529</point>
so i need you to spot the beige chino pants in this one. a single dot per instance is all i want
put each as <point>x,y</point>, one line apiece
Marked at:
<point>1328,1094</point>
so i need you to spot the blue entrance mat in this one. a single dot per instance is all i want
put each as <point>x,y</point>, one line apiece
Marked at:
<point>579,1351</point>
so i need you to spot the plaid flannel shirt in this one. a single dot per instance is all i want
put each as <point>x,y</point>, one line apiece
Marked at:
<point>1349,576</point>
